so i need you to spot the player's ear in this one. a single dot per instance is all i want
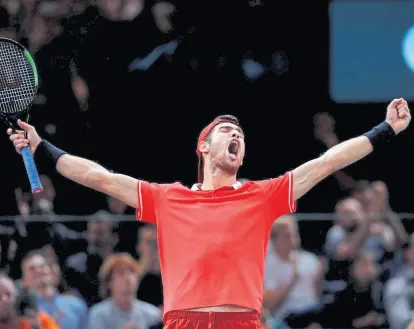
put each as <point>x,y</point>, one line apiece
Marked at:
<point>204,147</point>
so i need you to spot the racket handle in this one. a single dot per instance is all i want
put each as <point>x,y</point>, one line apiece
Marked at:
<point>31,170</point>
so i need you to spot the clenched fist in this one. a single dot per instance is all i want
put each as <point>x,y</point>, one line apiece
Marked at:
<point>398,115</point>
<point>21,141</point>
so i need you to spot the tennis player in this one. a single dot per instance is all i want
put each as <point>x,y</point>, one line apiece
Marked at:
<point>213,237</point>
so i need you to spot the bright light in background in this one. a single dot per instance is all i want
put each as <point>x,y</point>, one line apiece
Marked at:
<point>371,50</point>
<point>408,48</point>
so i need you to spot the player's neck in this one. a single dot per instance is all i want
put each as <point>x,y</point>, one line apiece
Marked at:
<point>213,181</point>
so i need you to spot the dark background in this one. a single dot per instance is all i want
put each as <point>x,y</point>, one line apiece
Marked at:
<point>146,124</point>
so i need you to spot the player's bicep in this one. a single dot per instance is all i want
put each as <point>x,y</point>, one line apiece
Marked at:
<point>306,176</point>
<point>123,188</point>
<point>278,193</point>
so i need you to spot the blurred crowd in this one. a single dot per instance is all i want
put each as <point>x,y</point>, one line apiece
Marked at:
<point>104,272</point>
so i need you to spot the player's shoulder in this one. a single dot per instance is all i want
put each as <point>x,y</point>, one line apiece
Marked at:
<point>269,182</point>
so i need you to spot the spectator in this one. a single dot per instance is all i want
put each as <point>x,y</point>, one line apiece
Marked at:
<point>345,239</point>
<point>365,222</point>
<point>375,201</point>
<point>56,272</point>
<point>390,220</point>
<point>150,288</point>
<point>127,230</point>
<point>293,277</point>
<point>9,319</point>
<point>119,276</point>
<point>360,298</point>
<point>399,293</point>
<point>69,311</point>
<point>37,234</point>
<point>82,268</point>
<point>349,234</point>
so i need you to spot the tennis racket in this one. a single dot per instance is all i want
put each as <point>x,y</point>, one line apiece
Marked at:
<point>18,88</point>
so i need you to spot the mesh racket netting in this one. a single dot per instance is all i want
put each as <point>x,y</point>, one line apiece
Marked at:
<point>17,79</point>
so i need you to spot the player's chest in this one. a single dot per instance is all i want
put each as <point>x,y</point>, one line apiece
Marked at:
<point>235,220</point>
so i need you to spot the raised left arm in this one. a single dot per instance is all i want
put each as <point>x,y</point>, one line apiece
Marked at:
<point>306,176</point>
<point>342,155</point>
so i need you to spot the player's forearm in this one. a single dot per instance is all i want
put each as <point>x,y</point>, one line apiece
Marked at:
<point>311,173</point>
<point>340,156</point>
<point>346,153</point>
<point>82,171</point>
<point>89,173</point>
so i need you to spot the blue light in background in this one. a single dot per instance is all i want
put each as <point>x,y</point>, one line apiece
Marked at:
<point>408,48</point>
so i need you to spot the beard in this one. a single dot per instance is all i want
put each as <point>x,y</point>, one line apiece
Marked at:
<point>223,163</point>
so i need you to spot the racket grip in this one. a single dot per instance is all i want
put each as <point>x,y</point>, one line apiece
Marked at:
<point>31,170</point>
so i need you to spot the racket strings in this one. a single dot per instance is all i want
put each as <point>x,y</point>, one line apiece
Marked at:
<point>17,79</point>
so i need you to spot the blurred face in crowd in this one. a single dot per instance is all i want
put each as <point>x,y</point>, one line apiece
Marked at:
<point>147,247</point>
<point>364,270</point>
<point>285,236</point>
<point>36,273</point>
<point>123,283</point>
<point>120,10</point>
<point>349,213</point>
<point>7,300</point>
<point>111,9</point>
<point>224,149</point>
<point>100,237</point>
<point>365,195</point>
<point>54,267</point>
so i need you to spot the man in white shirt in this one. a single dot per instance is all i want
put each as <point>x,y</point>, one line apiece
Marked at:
<point>293,277</point>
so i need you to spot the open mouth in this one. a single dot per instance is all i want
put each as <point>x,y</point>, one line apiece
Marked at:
<point>233,147</point>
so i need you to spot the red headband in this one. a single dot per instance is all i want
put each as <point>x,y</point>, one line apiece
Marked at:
<point>203,135</point>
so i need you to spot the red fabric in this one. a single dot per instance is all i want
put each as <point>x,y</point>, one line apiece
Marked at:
<point>212,320</point>
<point>212,244</point>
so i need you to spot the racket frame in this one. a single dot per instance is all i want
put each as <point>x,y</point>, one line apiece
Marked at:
<point>31,170</point>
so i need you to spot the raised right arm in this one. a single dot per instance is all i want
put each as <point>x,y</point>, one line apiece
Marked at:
<point>81,171</point>
<point>94,176</point>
